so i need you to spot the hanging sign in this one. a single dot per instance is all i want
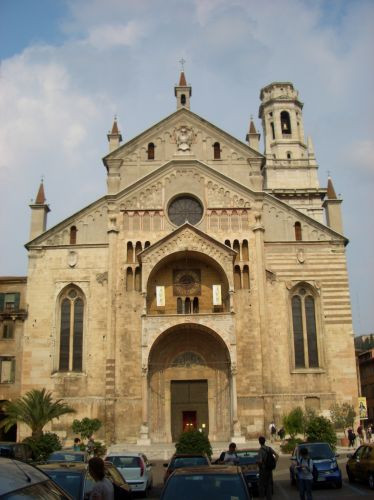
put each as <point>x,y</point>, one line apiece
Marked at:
<point>362,408</point>
<point>217,296</point>
<point>160,296</point>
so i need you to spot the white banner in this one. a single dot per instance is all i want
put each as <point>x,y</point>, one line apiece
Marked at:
<point>160,296</point>
<point>217,296</point>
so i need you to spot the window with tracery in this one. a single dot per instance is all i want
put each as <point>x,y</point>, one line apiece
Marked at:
<point>188,359</point>
<point>71,330</point>
<point>185,209</point>
<point>304,329</point>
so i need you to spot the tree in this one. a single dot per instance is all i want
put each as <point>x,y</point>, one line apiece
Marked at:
<point>321,429</point>
<point>86,427</point>
<point>193,441</point>
<point>35,409</point>
<point>293,423</point>
<point>44,446</point>
<point>342,416</point>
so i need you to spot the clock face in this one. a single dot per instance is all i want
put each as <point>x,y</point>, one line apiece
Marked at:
<point>185,209</point>
<point>186,282</point>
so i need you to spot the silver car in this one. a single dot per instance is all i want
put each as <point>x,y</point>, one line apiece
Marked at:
<point>135,469</point>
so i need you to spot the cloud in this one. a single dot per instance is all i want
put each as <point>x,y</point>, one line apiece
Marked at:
<point>112,35</point>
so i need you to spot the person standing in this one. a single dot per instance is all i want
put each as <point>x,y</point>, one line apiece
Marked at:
<point>103,488</point>
<point>266,461</point>
<point>360,433</point>
<point>229,457</point>
<point>351,438</point>
<point>272,431</point>
<point>77,444</point>
<point>304,469</point>
<point>90,446</point>
<point>368,434</point>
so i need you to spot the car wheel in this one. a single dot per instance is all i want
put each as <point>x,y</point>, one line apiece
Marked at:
<point>371,481</point>
<point>351,477</point>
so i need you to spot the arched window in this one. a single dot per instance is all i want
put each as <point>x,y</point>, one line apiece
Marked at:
<point>151,151</point>
<point>179,306</point>
<point>130,253</point>
<point>227,243</point>
<point>217,151</point>
<point>138,279</point>
<point>71,330</point>
<point>285,122</point>
<point>298,233</point>
<point>245,254</point>
<point>183,99</point>
<point>237,278</point>
<point>73,235</point>
<point>138,248</point>
<point>147,244</point>
<point>236,247</point>
<point>272,130</point>
<point>195,305</point>
<point>187,306</point>
<point>246,277</point>
<point>289,155</point>
<point>304,329</point>
<point>129,280</point>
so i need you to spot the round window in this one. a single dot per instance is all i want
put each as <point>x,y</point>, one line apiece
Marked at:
<point>185,209</point>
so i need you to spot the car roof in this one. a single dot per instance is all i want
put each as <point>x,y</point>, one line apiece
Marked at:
<point>207,469</point>
<point>124,454</point>
<point>71,466</point>
<point>247,449</point>
<point>15,475</point>
<point>182,455</point>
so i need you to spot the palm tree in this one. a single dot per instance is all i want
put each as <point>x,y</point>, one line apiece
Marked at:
<point>35,409</point>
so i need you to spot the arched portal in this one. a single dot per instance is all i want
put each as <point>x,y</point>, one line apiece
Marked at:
<point>189,384</point>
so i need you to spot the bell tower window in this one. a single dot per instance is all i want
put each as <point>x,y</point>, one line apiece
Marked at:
<point>73,235</point>
<point>272,130</point>
<point>183,99</point>
<point>217,151</point>
<point>298,233</point>
<point>151,151</point>
<point>285,123</point>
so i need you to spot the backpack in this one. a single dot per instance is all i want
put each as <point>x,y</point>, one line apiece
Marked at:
<point>270,462</point>
<point>120,493</point>
<point>273,429</point>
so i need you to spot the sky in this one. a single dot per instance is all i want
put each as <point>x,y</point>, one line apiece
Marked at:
<point>68,66</point>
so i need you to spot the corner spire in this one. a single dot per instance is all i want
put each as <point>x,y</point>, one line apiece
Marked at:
<point>331,195</point>
<point>39,211</point>
<point>253,137</point>
<point>183,91</point>
<point>40,197</point>
<point>114,137</point>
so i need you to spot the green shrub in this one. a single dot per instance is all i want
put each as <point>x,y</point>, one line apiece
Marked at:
<point>290,445</point>
<point>193,441</point>
<point>44,445</point>
<point>342,416</point>
<point>293,423</point>
<point>86,427</point>
<point>99,449</point>
<point>321,429</point>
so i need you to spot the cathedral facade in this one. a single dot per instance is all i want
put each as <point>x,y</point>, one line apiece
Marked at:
<point>207,289</point>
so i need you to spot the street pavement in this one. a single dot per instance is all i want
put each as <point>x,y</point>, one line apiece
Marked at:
<point>282,487</point>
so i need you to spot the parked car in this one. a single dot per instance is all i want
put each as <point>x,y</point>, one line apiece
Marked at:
<point>248,463</point>
<point>75,478</point>
<point>135,469</point>
<point>21,480</point>
<point>179,460</point>
<point>19,451</point>
<point>324,459</point>
<point>360,465</point>
<point>68,456</point>
<point>220,482</point>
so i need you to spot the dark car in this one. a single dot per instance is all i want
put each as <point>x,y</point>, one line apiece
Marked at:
<point>360,465</point>
<point>219,482</point>
<point>21,480</point>
<point>179,460</point>
<point>326,468</point>
<point>68,456</point>
<point>74,477</point>
<point>19,451</point>
<point>248,463</point>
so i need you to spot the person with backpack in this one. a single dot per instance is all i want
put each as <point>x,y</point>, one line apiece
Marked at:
<point>304,470</point>
<point>229,457</point>
<point>267,461</point>
<point>272,432</point>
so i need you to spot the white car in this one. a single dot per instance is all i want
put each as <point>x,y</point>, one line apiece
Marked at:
<point>135,469</point>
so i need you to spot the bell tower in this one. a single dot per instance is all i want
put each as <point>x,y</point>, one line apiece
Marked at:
<point>291,168</point>
<point>183,91</point>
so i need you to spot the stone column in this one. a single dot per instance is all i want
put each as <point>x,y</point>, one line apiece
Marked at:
<point>236,431</point>
<point>259,230</point>
<point>144,428</point>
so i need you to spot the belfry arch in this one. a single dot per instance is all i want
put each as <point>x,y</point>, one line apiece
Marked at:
<point>189,377</point>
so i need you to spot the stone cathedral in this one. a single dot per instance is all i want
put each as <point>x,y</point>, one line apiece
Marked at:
<point>206,289</point>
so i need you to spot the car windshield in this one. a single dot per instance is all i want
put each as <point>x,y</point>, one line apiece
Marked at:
<point>188,462</point>
<point>65,457</point>
<point>125,462</point>
<point>318,451</point>
<point>69,481</point>
<point>45,491</point>
<point>247,456</point>
<point>201,487</point>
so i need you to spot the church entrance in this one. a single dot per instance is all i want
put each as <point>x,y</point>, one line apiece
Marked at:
<point>189,406</point>
<point>189,384</point>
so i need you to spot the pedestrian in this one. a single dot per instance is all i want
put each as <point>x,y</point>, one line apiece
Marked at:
<point>266,460</point>
<point>360,433</point>
<point>103,488</point>
<point>351,438</point>
<point>229,457</point>
<point>90,446</point>
<point>77,444</point>
<point>304,469</point>
<point>281,433</point>
<point>272,431</point>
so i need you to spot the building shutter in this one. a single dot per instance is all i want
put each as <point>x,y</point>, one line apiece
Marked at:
<point>17,297</point>
<point>311,332</point>
<point>78,335</point>
<point>2,296</point>
<point>298,332</point>
<point>65,335</point>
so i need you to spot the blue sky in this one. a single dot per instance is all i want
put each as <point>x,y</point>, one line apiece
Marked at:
<point>68,66</point>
